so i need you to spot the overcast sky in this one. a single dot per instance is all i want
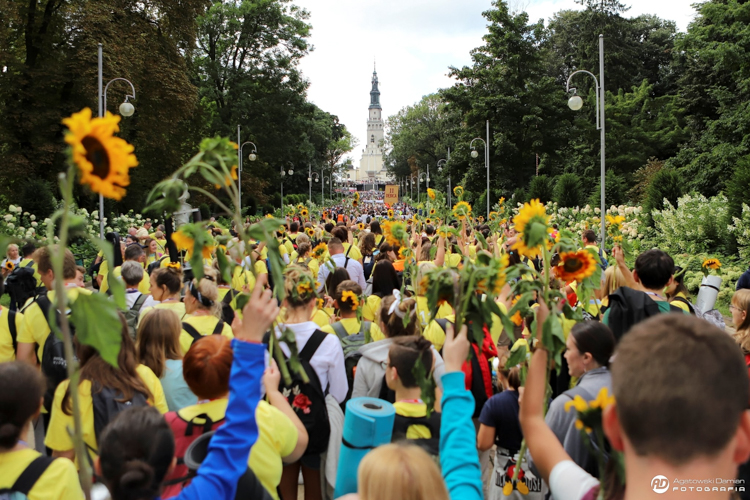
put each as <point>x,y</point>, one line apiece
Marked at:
<point>414,43</point>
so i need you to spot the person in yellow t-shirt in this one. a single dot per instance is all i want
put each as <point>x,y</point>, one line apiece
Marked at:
<point>23,389</point>
<point>128,379</point>
<point>203,312</point>
<point>35,328</point>
<point>350,250</point>
<point>8,335</point>
<point>411,412</point>
<point>165,287</point>
<point>302,256</point>
<point>347,302</point>
<point>384,281</point>
<point>153,251</point>
<point>282,437</point>
<point>133,253</point>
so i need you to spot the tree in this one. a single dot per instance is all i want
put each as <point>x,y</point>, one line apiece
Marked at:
<point>666,184</point>
<point>541,188</point>
<point>568,190</point>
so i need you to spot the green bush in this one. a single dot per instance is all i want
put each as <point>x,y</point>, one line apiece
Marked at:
<point>205,211</point>
<point>37,198</point>
<point>541,188</point>
<point>568,191</point>
<point>615,187</point>
<point>665,184</point>
<point>737,189</point>
<point>519,196</point>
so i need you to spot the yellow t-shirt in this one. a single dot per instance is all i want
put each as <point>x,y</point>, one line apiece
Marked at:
<point>173,305</point>
<point>242,277</point>
<point>59,481</point>
<point>312,265</point>
<point>277,438</point>
<point>321,318</point>
<point>153,257</point>
<point>453,260</point>
<point>423,311</point>
<point>205,325</point>
<point>6,341</point>
<point>435,333</point>
<point>352,326</point>
<point>354,253</point>
<point>144,286</point>
<point>371,307</point>
<point>676,303</point>
<point>413,410</point>
<point>58,438</point>
<point>162,245</point>
<point>25,262</point>
<point>35,328</point>
<point>103,272</point>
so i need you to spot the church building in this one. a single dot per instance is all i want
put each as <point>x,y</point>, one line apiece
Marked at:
<point>371,168</point>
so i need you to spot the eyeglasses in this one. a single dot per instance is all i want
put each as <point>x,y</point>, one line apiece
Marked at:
<point>732,306</point>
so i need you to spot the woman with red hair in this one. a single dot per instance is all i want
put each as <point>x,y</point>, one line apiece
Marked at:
<point>282,436</point>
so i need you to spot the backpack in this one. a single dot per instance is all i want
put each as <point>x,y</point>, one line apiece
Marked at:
<point>227,313</point>
<point>132,315</point>
<point>54,365</point>
<point>351,345</point>
<point>12,328</point>
<point>368,264</point>
<point>21,285</point>
<point>431,445</point>
<point>628,307</point>
<point>603,263</point>
<point>293,242</point>
<point>28,478</point>
<point>308,400</point>
<point>190,329</point>
<point>155,265</point>
<point>185,433</point>
<point>108,404</point>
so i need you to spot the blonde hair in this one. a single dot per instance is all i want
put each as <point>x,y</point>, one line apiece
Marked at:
<point>293,276</point>
<point>394,323</point>
<point>400,471</point>
<point>613,279</point>
<point>158,339</point>
<point>422,269</point>
<point>741,300</point>
<point>209,289</point>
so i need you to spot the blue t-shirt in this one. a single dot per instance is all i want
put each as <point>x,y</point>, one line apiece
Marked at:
<point>501,412</point>
<point>176,390</point>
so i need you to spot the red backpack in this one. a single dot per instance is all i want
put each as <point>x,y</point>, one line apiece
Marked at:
<point>185,432</point>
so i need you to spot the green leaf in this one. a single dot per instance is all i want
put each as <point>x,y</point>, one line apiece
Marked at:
<point>426,383</point>
<point>241,300</point>
<point>98,325</point>
<point>225,266</point>
<point>517,356</point>
<point>165,196</point>
<point>537,233</point>
<point>117,287</point>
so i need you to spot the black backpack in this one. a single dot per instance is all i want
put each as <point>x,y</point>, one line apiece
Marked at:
<point>227,313</point>
<point>108,403</point>
<point>351,344</point>
<point>155,265</point>
<point>27,479</point>
<point>628,307</point>
<point>54,364</point>
<point>13,329</point>
<point>368,263</point>
<point>196,334</point>
<point>309,400</point>
<point>431,445</point>
<point>21,285</point>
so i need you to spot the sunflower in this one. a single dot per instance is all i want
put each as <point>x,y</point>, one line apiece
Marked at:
<point>103,160</point>
<point>403,252</point>
<point>361,226</point>
<point>712,264</point>
<point>576,266</point>
<point>228,178</point>
<point>428,221</point>
<point>493,216</point>
<point>432,211</point>
<point>173,265</point>
<point>395,233</point>
<point>310,232</point>
<point>319,251</point>
<point>480,218</point>
<point>351,298</point>
<point>390,213</point>
<point>615,220</point>
<point>530,235</point>
<point>304,212</point>
<point>356,196</point>
<point>458,191</point>
<point>424,285</point>
<point>184,241</point>
<point>501,201</point>
<point>354,203</point>
<point>431,193</point>
<point>461,210</point>
<point>9,265</point>
<point>304,289</point>
<point>300,207</point>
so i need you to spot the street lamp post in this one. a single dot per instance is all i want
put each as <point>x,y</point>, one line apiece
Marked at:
<point>126,109</point>
<point>252,157</point>
<point>475,153</point>
<point>330,184</point>
<point>440,164</point>
<point>575,103</point>
<point>310,173</point>
<point>291,171</point>
<point>421,177</point>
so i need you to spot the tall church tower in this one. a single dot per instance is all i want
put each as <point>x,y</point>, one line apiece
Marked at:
<point>371,164</point>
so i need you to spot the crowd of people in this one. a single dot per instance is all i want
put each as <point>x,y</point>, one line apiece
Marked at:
<point>194,368</point>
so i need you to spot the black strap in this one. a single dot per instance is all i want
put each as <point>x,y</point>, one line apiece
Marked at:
<point>44,304</point>
<point>350,445</point>
<point>346,261</point>
<point>190,329</point>
<point>219,327</point>
<point>684,301</point>
<point>139,302</point>
<point>312,345</point>
<point>12,328</point>
<point>31,475</point>
<point>229,297</point>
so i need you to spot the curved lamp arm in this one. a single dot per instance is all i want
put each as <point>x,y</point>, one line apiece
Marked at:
<point>598,89</point>
<point>127,96</point>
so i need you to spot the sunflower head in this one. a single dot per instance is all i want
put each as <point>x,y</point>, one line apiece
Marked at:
<point>428,221</point>
<point>361,226</point>
<point>174,265</point>
<point>404,252</point>
<point>461,210</point>
<point>458,191</point>
<point>310,232</point>
<point>532,225</point>
<point>355,203</point>
<point>356,196</point>
<point>9,266</point>
<point>432,211</point>
<point>304,212</point>
<point>103,161</point>
<point>395,233</point>
<point>431,193</point>
<point>350,299</point>
<point>390,213</point>
<point>576,266</point>
<point>712,264</point>
<point>319,251</point>
<point>493,216</point>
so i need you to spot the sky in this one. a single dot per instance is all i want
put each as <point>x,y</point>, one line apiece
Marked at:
<point>413,42</point>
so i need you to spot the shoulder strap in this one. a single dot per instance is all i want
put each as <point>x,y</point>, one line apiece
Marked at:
<point>219,327</point>
<point>312,345</point>
<point>139,302</point>
<point>29,264</point>
<point>348,250</point>
<point>365,327</point>
<point>340,330</point>
<point>44,304</point>
<point>684,301</point>
<point>443,323</point>
<point>229,297</point>
<point>12,328</point>
<point>191,331</point>
<point>31,474</point>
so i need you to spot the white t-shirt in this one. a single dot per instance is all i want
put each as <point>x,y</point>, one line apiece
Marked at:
<point>328,361</point>
<point>130,299</point>
<point>568,481</point>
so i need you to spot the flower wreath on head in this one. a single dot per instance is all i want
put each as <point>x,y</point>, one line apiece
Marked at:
<point>306,288</point>
<point>351,298</point>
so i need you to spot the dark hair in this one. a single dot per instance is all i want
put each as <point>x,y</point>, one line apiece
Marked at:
<point>293,226</point>
<point>384,279</point>
<point>429,229</point>
<point>367,243</point>
<point>20,399</point>
<point>341,233</point>
<point>596,339</point>
<point>135,453</point>
<point>654,268</point>
<point>674,378</point>
<point>404,354</point>
<point>134,252</point>
<point>394,323</point>
<point>334,279</point>
<point>679,279</point>
<point>169,277</point>
<point>28,249</point>
<point>384,249</point>
<point>513,376</point>
<point>114,240</point>
<point>328,227</point>
<point>344,286</point>
<point>375,227</point>
<point>589,235</point>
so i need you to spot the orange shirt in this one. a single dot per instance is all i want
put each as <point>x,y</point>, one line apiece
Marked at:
<point>399,265</point>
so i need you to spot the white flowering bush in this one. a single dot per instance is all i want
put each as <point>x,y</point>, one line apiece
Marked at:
<point>740,229</point>
<point>698,224</point>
